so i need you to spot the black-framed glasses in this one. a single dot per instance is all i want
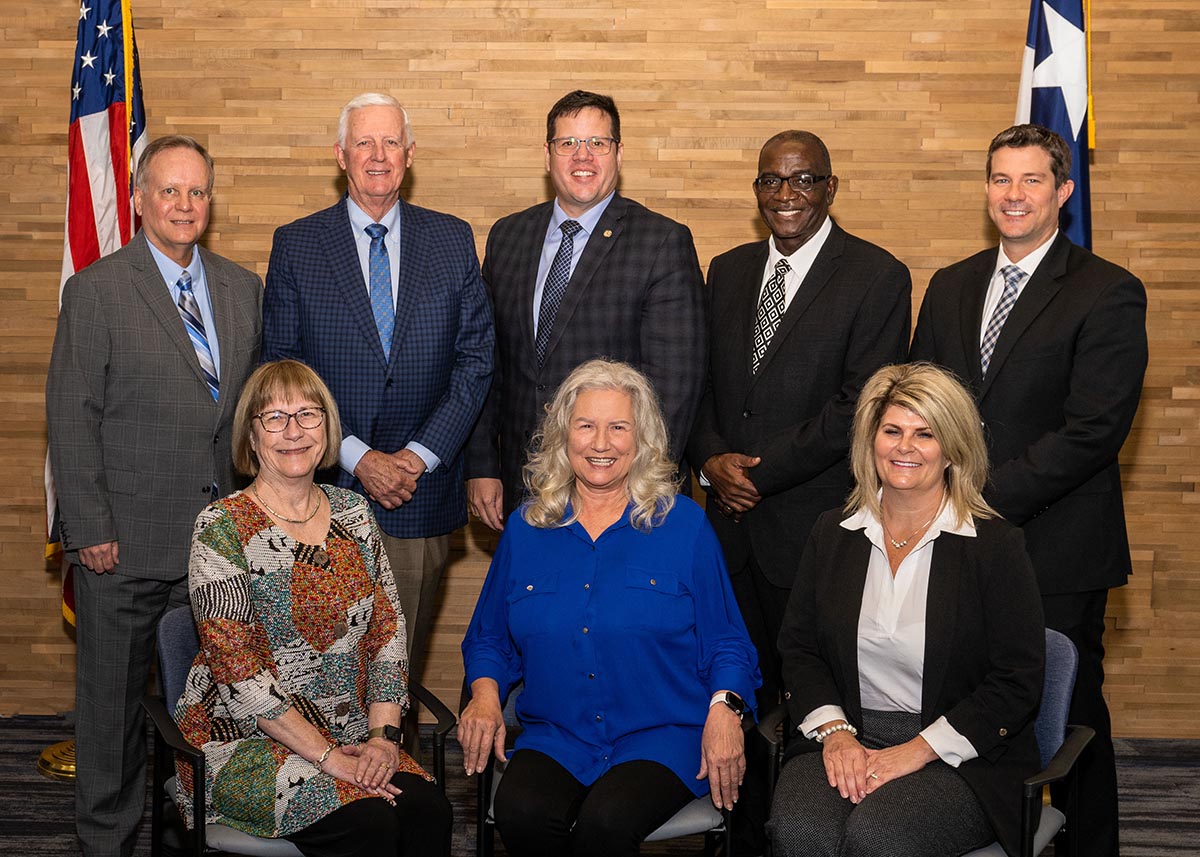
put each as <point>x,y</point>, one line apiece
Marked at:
<point>800,183</point>
<point>570,145</point>
<point>277,421</point>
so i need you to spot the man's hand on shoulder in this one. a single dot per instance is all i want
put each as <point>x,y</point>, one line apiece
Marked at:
<point>101,558</point>
<point>389,479</point>
<point>729,478</point>
<point>485,500</point>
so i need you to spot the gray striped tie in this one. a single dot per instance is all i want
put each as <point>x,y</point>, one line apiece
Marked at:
<point>189,310</point>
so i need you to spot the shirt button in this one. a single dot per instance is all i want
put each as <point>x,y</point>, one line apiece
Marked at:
<point>599,718</point>
<point>529,588</point>
<point>585,629</point>
<point>591,675</point>
<point>320,558</point>
<point>587,586</point>
<point>653,582</point>
<point>340,629</point>
<point>1003,731</point>
<point>343,708</point>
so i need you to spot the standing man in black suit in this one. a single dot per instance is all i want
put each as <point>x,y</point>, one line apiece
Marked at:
<point>589,274</point>
<point>1052,340</point>
<point>798,323</point>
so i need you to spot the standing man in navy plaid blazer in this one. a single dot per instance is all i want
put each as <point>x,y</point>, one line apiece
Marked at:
<point>409,370</point>
<point>629,289</point>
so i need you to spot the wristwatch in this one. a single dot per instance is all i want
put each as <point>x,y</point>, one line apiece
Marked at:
<point>735,702</point>
<point>391,733</point>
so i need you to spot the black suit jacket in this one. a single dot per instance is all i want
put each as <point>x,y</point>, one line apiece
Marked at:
<point>635,295</point>
<point>851,315</point>
<point>1059,398</point>
<point>984,650</point>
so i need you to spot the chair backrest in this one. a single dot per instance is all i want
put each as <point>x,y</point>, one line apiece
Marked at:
<point>177,648</point>
<point>1061,663</point>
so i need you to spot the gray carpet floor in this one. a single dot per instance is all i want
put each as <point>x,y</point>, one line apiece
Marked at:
<point>1159,783</point>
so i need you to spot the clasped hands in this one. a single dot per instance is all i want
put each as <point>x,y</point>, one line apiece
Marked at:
<point>390,478</point>
<point>729,479</point>
<point>856,772</point>
<point>369,765</point>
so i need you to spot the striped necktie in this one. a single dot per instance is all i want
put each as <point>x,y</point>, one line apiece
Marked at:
<point>189,310</point>
<point>1013,275</point>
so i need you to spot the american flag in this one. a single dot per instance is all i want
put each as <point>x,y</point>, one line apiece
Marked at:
<point>106,135</point>
<point>1054,93</point>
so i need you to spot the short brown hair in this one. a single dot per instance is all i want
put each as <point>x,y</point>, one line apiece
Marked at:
<point>938,398</point>
<point>1023,136</point>
<point>291,381</point>
<point>162,144</point>
<point>571,103</point>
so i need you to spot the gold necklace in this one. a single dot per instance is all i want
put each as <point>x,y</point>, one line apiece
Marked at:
<point>898,545</point>
<point>275,514</point>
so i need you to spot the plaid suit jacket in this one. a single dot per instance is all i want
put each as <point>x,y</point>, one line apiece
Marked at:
<point>635,295</point>
<point>317,309</point>
<point>136,440</point>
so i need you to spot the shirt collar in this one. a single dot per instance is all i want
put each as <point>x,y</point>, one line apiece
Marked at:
<point>587,221</point>
<point>802,257</point>
<point>360,220</point>
<point>946,522</point>
<point>1029,263</point>
<point>170,269</point>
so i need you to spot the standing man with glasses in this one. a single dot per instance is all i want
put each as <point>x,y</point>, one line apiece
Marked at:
<point>1052,341</point>
<point>588,274</point>
<point>383,299</point>
<point>154,342</point>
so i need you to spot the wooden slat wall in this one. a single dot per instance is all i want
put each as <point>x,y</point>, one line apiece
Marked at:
<point>907,94</point>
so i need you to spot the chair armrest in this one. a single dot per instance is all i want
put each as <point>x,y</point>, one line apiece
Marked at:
<point>1064,760</point>
<point>768,726</point>
<point>446,721</point>
<point>167,729</point>
<point>168,737</point>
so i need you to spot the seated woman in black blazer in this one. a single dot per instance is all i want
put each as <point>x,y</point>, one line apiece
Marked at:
<point>913,645</point>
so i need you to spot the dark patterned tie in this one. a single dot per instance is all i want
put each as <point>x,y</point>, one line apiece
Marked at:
<point>1013,276</point>
<point>770,311</point>
<point>556,287</point>
<point>381,287</point>
<point>189,310</point>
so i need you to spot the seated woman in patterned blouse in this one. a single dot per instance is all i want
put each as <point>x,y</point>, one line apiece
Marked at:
<point>608,597</point>
<point>301,680</point>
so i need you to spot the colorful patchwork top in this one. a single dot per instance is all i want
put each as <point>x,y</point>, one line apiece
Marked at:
<point>286,625</point>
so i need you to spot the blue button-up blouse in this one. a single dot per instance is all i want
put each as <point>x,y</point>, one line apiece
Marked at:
<point>620,641</point>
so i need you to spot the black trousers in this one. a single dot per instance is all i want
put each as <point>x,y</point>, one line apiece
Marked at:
<point>417,826</point>
<point>543,811</point>
<point>1080,615</point>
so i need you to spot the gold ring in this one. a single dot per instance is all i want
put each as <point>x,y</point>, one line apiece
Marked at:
<point>873,775</point>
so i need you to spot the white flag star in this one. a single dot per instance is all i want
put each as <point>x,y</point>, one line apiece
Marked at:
<point>75,90</point>
<point>83,11</point>
<point>103,29</point>
<point>88,60</point>
<point>1066,67</point>
<point>109,77</point>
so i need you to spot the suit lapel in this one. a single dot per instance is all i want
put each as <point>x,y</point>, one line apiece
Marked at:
<point>218,296</point>
<point>147,279</point>
<point>817,278</point>
<point>974,291</point>
<point>526,272</point>
<point>607,233</point>
<point>1039,291</point>
<point>415,252</point>
<point>850,593</point>
<point>339,248</point>
<point>749,290</point>
<point>941,616</point>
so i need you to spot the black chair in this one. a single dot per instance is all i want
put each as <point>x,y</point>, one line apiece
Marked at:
<point>1058,743</point>
<point>177,648</point>
<point>698,817</point>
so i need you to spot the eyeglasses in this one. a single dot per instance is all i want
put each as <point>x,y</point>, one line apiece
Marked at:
<point>802,183</point>
<point>570,145</point>
<point>277,421</point>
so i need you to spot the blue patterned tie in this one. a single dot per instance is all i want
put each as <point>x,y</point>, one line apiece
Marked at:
<point>556,287</point>
<point>1013,276</point>
<point>189,310</point>
<point>770,311</point>
<point>381,287</point>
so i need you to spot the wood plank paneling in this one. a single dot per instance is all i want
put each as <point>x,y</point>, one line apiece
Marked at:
<point>906,93</point>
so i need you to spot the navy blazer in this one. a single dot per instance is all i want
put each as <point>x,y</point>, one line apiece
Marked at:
<point>850,316</point>
<point>1057,404</point>
<point>985,650</point>
<point>635,295</point>
<point>317,309</point>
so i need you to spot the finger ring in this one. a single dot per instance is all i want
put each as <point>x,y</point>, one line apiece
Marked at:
<point>873,775</point>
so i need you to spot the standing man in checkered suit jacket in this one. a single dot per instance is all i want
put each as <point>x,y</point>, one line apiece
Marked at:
<point>384,300</point>
<point>588,274</point>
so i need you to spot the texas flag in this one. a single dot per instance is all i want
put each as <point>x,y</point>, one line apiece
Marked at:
<point>1054,93</point>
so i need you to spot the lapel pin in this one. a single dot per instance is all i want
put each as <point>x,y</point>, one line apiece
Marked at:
<point>608,233</point>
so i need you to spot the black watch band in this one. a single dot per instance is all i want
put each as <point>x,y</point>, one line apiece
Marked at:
<point>735,702</point>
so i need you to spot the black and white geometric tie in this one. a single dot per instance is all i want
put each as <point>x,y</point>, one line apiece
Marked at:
<point>1013,276</point>
<point>770,311</point>
<point>555,288</point>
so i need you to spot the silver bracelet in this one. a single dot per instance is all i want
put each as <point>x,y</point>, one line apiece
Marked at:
<point>324,756</point>
<point>837,727</point>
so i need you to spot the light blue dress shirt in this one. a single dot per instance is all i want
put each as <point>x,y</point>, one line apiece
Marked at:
<point>587,222</point>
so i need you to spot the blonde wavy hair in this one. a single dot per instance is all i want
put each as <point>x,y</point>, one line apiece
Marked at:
<point>938,398</point>
<point>549,479</point>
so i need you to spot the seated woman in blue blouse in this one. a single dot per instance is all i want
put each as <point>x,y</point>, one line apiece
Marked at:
<point>608,597</point>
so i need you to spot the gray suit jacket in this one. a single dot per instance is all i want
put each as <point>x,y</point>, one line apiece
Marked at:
<point>136,440</point>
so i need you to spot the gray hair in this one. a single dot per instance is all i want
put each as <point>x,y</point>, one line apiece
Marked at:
<point>372,99</point>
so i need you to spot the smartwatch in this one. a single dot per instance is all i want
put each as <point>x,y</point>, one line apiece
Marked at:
<point>391,733</point>
<point>734,701</point>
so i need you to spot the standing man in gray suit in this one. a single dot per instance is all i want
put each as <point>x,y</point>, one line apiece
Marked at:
<point>153,344</point>
<point>588,274</point>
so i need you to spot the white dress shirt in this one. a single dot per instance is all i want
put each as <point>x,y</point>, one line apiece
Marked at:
<point>891,634</point>
<point>801,262</point>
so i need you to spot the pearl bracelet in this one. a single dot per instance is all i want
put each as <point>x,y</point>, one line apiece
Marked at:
<point>837,727</point>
